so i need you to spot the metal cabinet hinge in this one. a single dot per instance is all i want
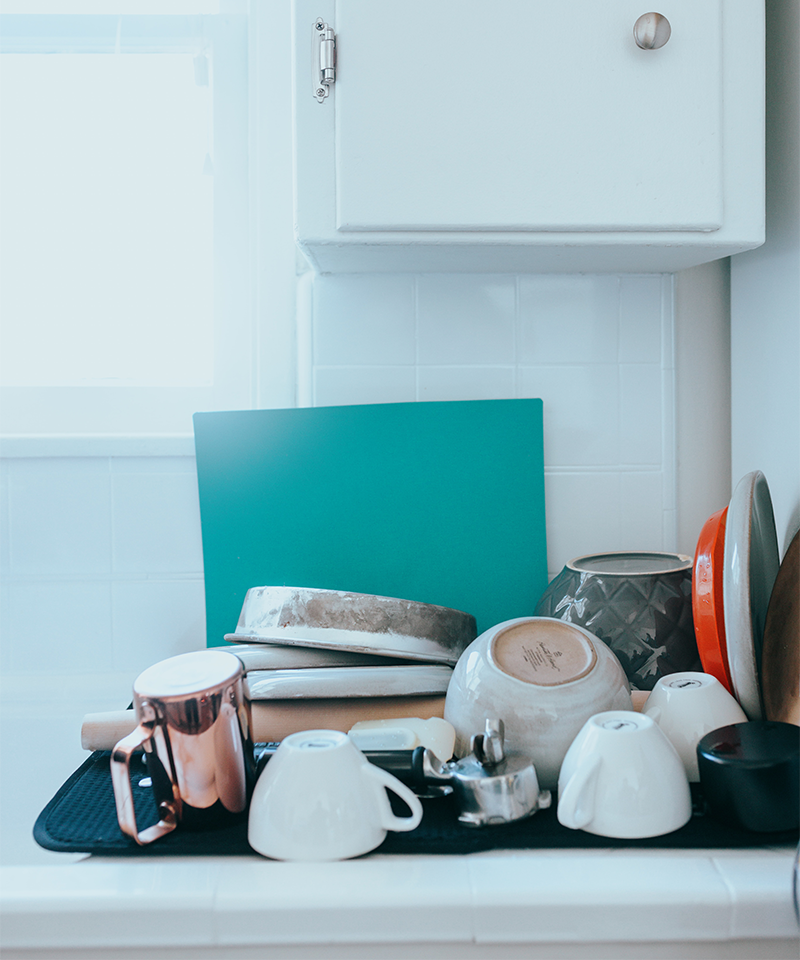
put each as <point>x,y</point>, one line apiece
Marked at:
<point>323,59</point>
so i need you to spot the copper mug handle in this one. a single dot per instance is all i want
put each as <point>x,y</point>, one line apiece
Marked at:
<point>169,811</point>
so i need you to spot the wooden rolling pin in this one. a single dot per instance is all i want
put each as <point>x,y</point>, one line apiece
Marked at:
<point>639,698</point>
<point>275,719</point>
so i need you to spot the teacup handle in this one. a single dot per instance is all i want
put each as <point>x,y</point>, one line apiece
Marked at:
<point>121,781</point>
<point>575,801</point>
<point>388,819</point>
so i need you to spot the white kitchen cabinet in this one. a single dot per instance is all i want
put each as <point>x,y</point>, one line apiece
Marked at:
<point>528,135</point>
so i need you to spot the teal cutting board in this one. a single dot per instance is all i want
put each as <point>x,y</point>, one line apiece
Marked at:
<point>435,502</point>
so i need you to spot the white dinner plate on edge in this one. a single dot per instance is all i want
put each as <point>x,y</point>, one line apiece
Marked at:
<point>337,682</point>
<point>751,566</point>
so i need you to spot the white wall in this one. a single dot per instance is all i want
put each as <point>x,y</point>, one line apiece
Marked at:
<point>765,295</point>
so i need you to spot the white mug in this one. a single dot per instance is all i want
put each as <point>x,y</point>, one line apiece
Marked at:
<point>319,798</point>
<point>687,706</point>
<point>622,778</point>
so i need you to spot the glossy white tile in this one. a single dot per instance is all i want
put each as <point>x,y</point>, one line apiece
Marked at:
<point>112,905</point>
<point>583,515</point>
<point>365,319</point>
<point>59,516</point>
<point>581,412</point>
<point>642,521</point>
<point>346,385</point>
<point>464,318</point>
<point>156,523</point>
<point>522,903</point>
<point>641,304</point>
<point>59,625</point>
<point>466,383</point>
<point>641,418</point>
<point>568,319</point>
<point>8,642</point>
<point>156,619</point>
<point>405,899</point>
<point>670,533</point>
<point>5,559</point>
<point>761,893</point>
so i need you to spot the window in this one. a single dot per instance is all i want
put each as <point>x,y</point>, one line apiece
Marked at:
<point>124,261</point>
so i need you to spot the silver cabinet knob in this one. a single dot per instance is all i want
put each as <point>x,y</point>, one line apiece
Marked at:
<point>651,31</point>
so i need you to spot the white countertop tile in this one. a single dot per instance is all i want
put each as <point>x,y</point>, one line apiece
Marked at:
<point>541,897</point>
<point>102,903</point>
<point>369,899</point>
<point>578,897</point>
<point>758,886</point>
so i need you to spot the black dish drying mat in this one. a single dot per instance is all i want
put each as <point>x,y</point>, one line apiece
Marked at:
<point>81,818</point>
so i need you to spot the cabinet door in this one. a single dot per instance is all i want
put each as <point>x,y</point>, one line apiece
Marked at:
<point>526,115</point>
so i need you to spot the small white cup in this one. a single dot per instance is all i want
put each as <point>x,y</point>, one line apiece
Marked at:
<point>622,778</point>
<point>687,706</point>
<point>319,798</point>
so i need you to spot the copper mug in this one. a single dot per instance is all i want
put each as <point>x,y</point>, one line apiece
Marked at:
<point>194,723</point>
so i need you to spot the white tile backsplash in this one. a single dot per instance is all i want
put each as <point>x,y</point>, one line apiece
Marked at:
<point>640,309</point>
<point>584,514</point>
<point>155,619</point>
<point>598,350</point>
<point>380,320</point>
<point>156,522</point>
<point>640,407</point>
<point>466,383</point>
<point>57,626</point>
<point>642,498</point>
<point>346,385</point>
<point>568,319</point>
<point>5,558</point>
<point>59,520</point>
<point>105,566</point>
<point>581,412</point>
<point>465,319</point>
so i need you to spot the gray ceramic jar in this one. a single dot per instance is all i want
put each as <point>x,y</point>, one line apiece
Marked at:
<point>639,604</point>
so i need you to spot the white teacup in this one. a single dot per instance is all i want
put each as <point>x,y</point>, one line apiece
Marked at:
<point>622,778</point>
<point>687,706</point>
<point>319,798</point>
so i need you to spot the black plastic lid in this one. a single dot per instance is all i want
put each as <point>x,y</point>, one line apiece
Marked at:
<point>754,743</point>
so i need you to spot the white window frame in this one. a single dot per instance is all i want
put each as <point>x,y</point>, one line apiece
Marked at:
<point>29,415</point>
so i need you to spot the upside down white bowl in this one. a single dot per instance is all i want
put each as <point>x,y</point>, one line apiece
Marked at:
<point>543,678</point>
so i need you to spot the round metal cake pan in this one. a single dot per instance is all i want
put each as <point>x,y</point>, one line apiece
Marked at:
<point>358,622</point>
